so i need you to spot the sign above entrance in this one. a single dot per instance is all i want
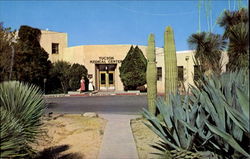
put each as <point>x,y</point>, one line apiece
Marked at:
<point>105,59</point>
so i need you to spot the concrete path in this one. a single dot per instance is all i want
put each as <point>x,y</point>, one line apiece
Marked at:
<point>118,141</point>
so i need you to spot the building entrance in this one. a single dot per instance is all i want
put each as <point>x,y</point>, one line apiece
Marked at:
<point>105,76</point>
<point>107,80</point>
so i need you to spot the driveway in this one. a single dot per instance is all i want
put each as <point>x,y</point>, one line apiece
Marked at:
<point>99,104</point>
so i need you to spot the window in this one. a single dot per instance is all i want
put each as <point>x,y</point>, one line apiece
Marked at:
<point>180,73</point>
<point>55,48</point>
<point>111,78</point>
<point>159,73</point>
<point>197,70</point>
<point>103,78</point>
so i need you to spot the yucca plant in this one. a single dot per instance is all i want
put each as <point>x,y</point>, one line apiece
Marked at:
<point>21,106</point>
<point>236,30</point>
<point>215,118</point>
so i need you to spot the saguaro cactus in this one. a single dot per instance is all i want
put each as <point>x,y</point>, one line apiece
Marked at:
<point>170,63</point>
<point>151,75</point>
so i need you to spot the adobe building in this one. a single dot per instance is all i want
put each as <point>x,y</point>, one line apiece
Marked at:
<point>103,61</point>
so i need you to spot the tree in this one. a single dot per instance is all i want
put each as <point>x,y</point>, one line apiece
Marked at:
<point>61,70</point>
<point>208,48</point>
<point>7,48</point>
<point>31,61</point>
<point>76,72</point>
<point>133,69</point>
<point>236,25</point>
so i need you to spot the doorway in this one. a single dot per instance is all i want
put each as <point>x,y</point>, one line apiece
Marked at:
<point>106,77</point>
<point>107,80</point>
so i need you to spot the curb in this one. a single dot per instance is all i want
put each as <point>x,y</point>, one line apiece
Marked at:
<point>89,94</point>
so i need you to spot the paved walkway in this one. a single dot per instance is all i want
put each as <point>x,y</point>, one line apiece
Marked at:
<point>118,141</point>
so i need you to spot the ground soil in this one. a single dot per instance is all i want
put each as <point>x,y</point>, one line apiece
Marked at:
<point>144,137</point>
<point>71,137</point>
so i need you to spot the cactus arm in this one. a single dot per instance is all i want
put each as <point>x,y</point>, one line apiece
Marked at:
<point>170,63</point>
<point>151,75</point>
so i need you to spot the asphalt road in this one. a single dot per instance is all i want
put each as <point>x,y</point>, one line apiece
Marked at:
<point>99,104</point>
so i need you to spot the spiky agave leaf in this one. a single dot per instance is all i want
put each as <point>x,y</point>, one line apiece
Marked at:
<point>227,137</point>
<point>24,104</point>
<point>171,130</point>
<point>212,118</point>
<point>11,135</point>
<point>221,99</point>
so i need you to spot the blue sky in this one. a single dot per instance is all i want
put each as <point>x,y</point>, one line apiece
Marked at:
<point>113,22</point>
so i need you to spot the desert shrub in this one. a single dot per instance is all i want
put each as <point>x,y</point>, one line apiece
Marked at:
<point>21,106</point>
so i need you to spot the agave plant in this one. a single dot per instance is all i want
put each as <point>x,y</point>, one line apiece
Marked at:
<point>175,135</point>
<point>21,108</point>
<point>215,118</point>
<point>225,101</point>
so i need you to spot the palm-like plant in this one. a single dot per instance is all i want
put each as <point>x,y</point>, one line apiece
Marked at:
<point>236,28</point>
<point>208,48</point>
<point>21,108</point>
<point>230,18</point>
<point>238,49</point>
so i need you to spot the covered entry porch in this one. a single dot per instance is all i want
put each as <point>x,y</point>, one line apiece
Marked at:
<point>105,75</point>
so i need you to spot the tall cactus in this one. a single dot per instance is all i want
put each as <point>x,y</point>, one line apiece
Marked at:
<point>170,63</point>
<point>151,75</point>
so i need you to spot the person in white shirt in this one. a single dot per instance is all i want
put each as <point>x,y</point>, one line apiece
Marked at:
<point>91,87</point>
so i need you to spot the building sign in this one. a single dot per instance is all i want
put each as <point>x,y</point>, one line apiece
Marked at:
<point>105,59</point>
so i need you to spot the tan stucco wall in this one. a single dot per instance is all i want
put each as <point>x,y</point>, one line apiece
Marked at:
<point>181,61</point>
<point>49,37</point>
<point>85,53</point>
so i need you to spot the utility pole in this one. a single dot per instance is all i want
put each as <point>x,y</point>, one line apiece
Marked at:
<point>199,16</point>
<point>12,61</point>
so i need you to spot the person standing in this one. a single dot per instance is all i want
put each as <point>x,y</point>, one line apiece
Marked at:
<point>82,87</point>
<point>91,87</point>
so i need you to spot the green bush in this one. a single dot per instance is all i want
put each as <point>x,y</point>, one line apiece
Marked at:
<point>67,75</point>
<point>76,72</point>
<point>21,106</point>
<point>61,70</point>
<point>133,69</point>
<point>214,118</point>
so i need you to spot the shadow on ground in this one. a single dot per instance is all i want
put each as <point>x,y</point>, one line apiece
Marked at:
<point>55,152</point>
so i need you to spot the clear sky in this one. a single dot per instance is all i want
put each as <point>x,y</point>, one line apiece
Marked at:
<point>114,22</point>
